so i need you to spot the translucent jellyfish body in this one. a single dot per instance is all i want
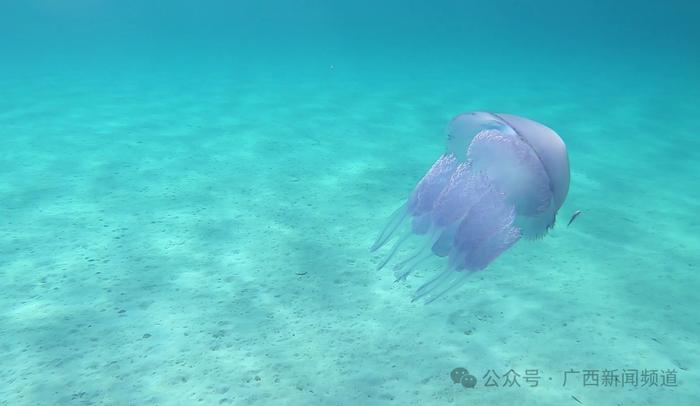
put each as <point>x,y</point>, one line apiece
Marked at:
<point>501,178</point>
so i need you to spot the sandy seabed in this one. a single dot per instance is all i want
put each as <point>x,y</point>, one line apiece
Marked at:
<point>208,244</point>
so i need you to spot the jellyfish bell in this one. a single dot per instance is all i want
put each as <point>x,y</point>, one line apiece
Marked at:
<point>502,177</point>
<point>546,143</point>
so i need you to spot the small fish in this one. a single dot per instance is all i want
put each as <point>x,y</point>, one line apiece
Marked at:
<point>573,217</point>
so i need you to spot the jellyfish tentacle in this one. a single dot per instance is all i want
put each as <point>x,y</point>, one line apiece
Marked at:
<point>464,188</point>
<point>448,280</point>
<point>427,190</point>
<point>486,232</point>
<point>455,283</point>
<point>433,235</point>
<point>492,247</point>
<point>426,287</point>
<point>416,261</point>
<point>395,248</point>
<point>396,219</point>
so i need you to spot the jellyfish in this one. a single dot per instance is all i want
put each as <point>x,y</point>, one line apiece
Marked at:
<point>502,178</point>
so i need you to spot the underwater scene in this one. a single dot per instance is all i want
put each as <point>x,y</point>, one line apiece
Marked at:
<point>309,202</point>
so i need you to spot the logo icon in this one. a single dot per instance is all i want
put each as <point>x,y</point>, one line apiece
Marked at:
<point>461,375</point>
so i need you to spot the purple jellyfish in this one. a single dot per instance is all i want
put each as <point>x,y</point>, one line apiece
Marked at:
<point>501,178</point>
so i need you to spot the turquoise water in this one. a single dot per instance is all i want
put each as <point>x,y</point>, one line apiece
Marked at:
<point>189,191</point>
